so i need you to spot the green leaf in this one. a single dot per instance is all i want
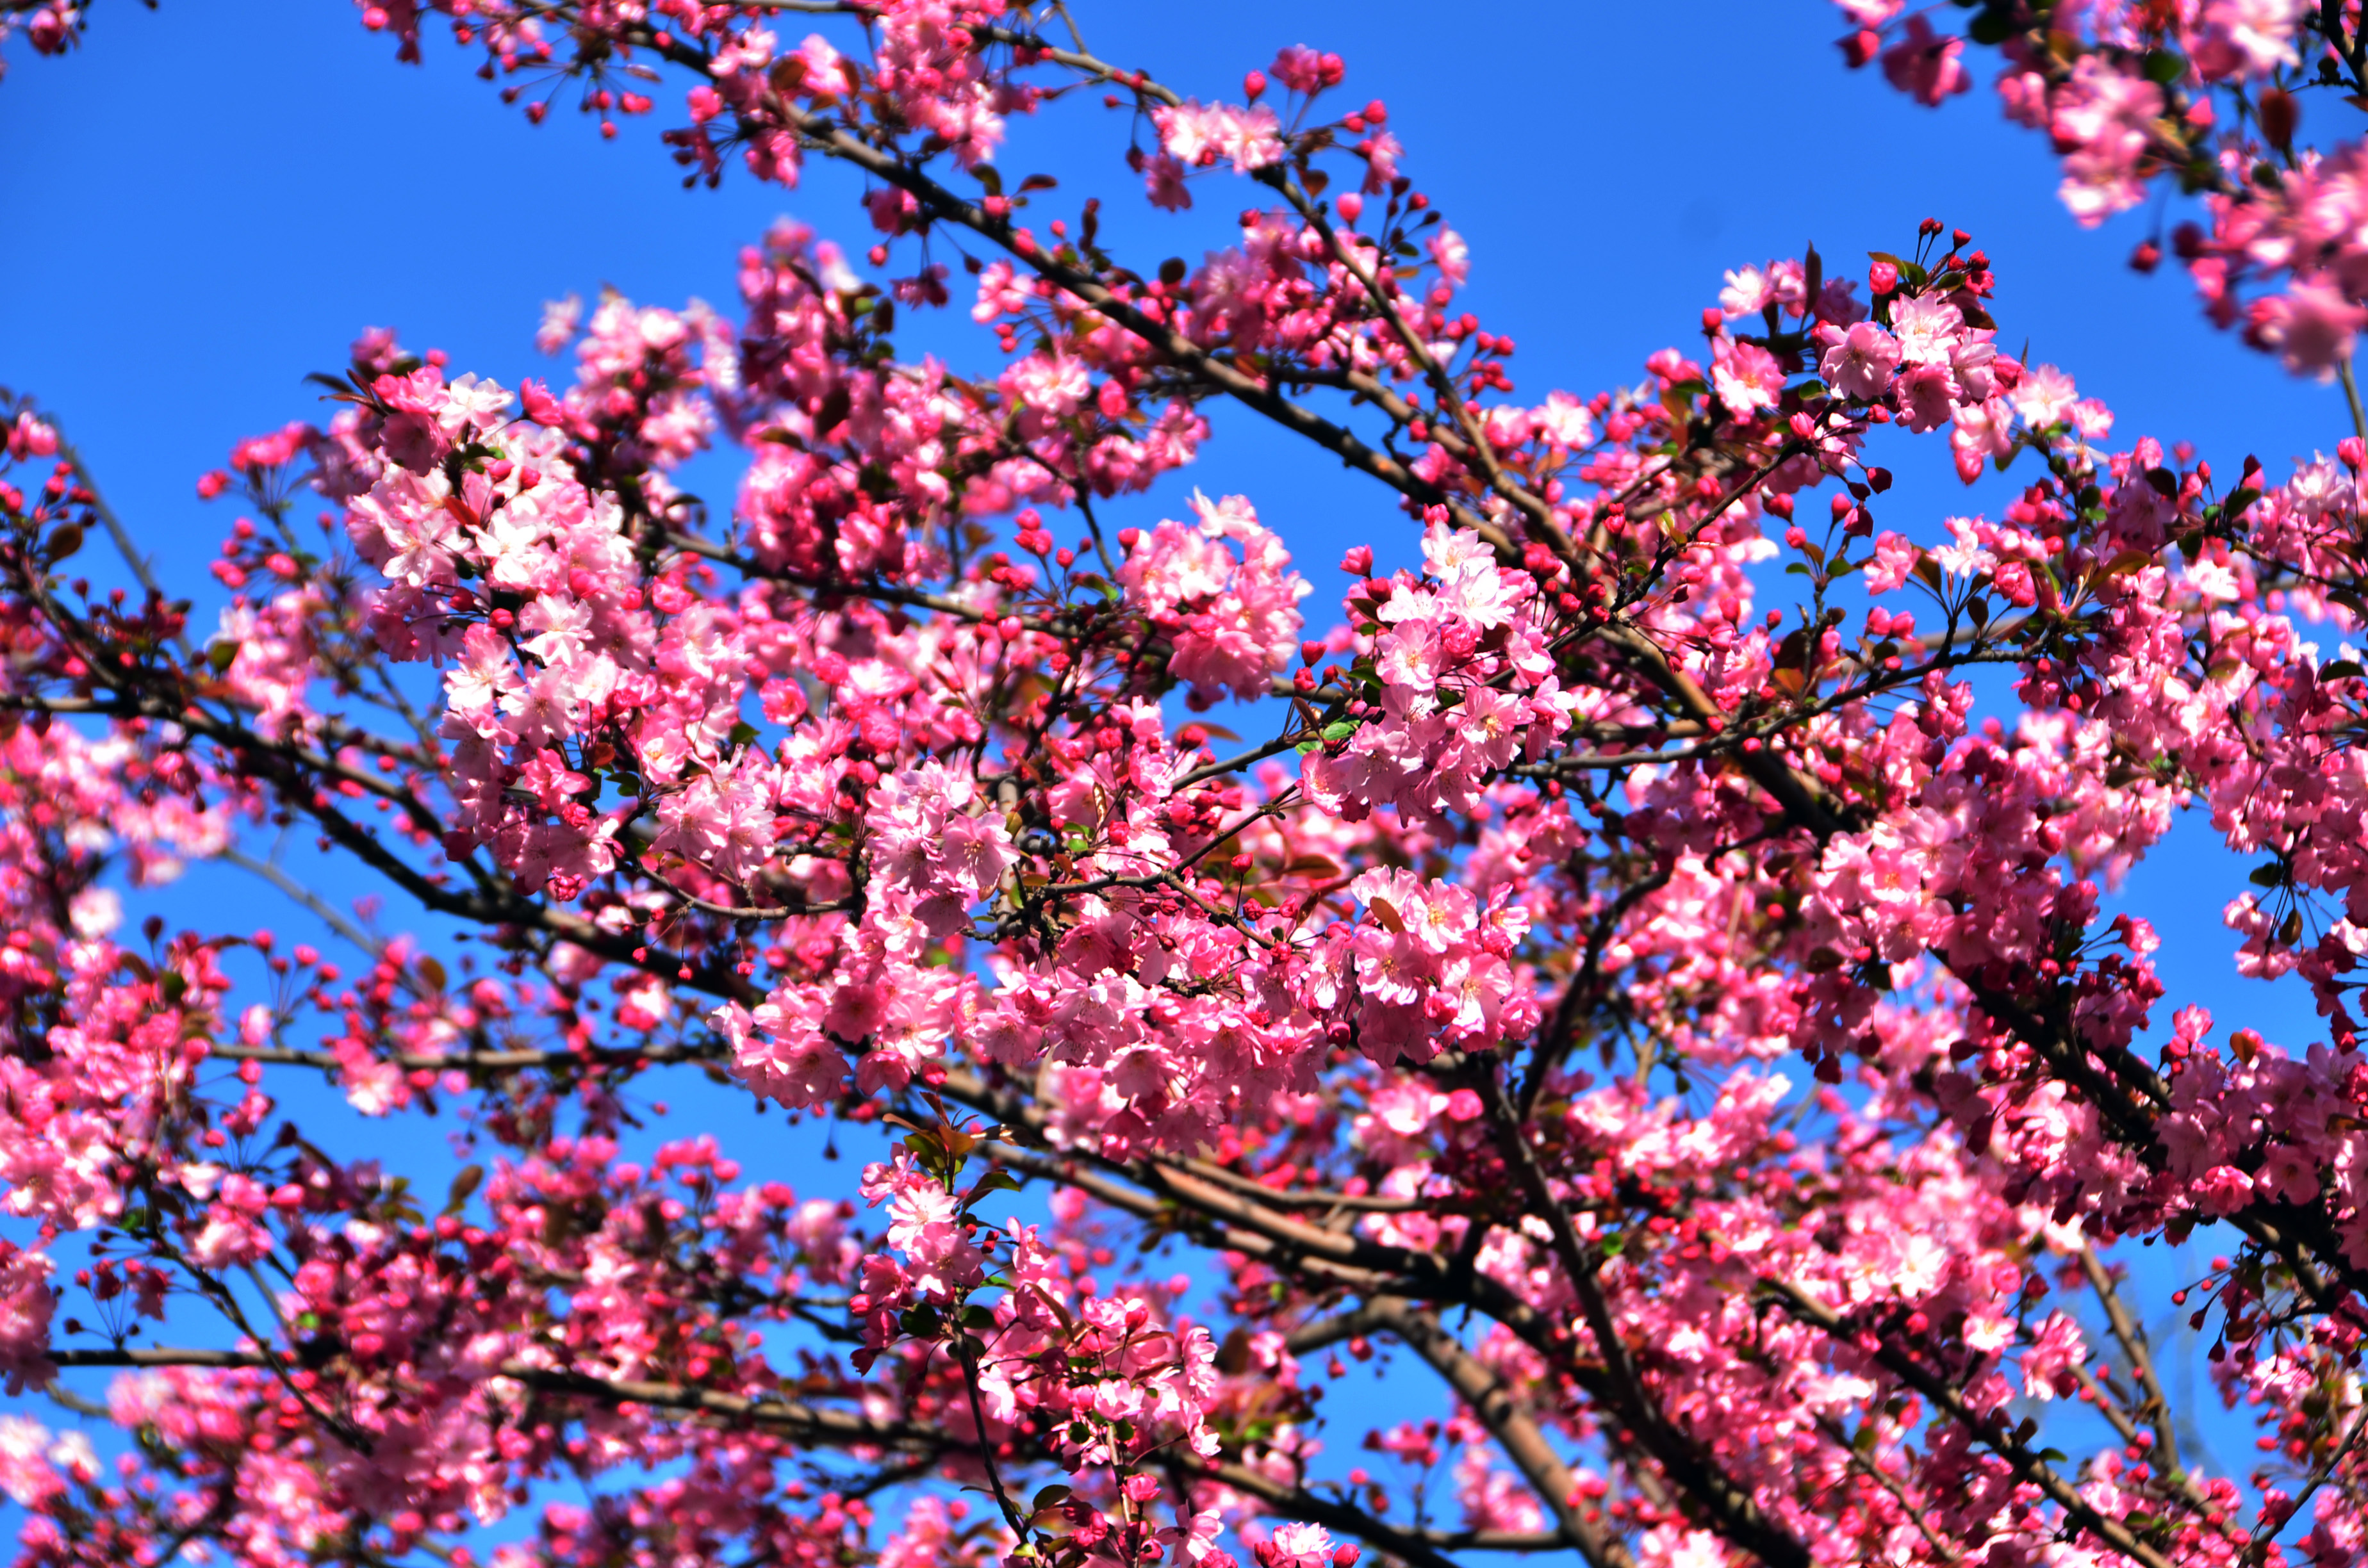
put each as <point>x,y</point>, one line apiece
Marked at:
<point>1990,27</point>
<point>464,1182</point>
<point>2342,669</point>
<point>1339,729</point>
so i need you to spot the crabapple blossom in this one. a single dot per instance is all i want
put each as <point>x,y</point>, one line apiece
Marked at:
<point>2207,92</point>
<point>1631,977</point>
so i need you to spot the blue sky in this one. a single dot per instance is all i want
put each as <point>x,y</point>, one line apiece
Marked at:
<point>211,199</point>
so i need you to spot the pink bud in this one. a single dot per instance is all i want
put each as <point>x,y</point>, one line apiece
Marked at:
<point>1359,561</point>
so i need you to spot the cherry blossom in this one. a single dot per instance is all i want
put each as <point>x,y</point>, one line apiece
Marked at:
<point>1651,967</point>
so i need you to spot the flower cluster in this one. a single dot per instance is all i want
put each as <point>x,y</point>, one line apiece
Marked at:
<point>1627,974</point>
<point>2208,92</point>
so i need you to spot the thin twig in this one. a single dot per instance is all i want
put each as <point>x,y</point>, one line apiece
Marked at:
<point>326,912</point>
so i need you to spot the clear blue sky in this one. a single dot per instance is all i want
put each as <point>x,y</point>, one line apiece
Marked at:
<point>211,200</point>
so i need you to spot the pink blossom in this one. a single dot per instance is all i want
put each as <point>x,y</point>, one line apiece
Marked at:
<point>2310,325</point>
<point>27,1476</point>
<point>1859,362</point>
<point>1894,560</point>
<point>2247,38</point>
<point>1297,1546</point>
<point>1746,378</point>
<point>2044,397</point>
<point>1926,65</point>
<point>1197,136</point>
<point>1234,617</point>
<point>1452,255</point>
<point>2103,117</point>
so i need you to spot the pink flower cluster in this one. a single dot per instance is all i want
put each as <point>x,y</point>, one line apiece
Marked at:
<point>2204,91</point>
<point>1627,976</point>
<point>1233,618</point>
